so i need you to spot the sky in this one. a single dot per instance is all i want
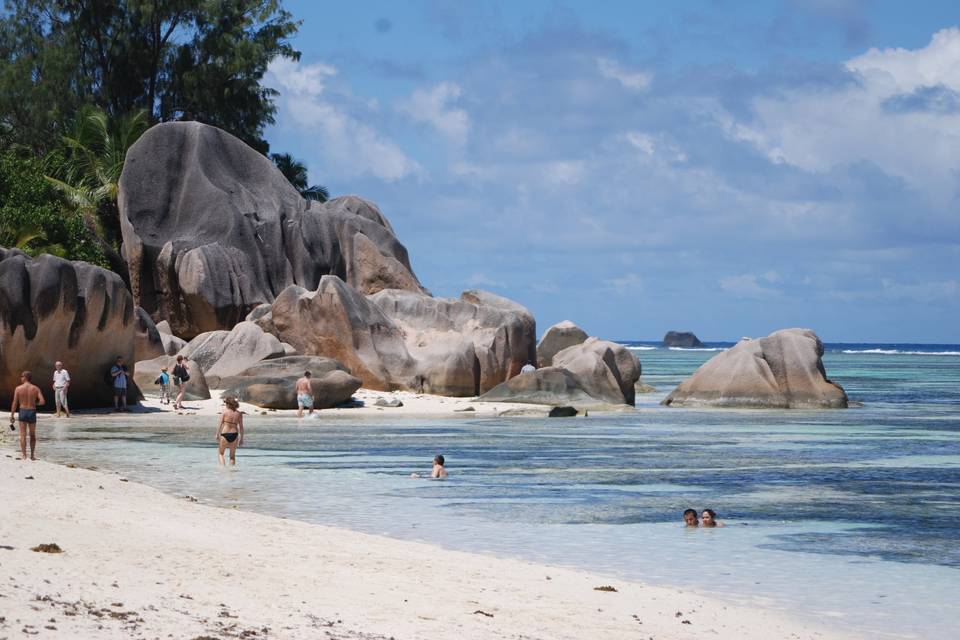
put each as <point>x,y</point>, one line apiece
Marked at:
<point>729,168</point>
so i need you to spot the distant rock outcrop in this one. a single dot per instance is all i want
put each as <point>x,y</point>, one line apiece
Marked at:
<point>781,371</point>
<point>272,384</point>
<point>557,338</point>
<point>211,229</point>
<point>402,340</point>
<point>53,309</point>
<point>683,339</point>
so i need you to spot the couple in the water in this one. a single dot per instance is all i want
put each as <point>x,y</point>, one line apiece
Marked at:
<point>707,519</point>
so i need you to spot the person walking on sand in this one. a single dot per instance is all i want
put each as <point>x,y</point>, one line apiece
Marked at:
<point>230,430</point>
<point>119,372</point>
<point>61,384</point>
<point>181,374</point>
<point>304,395</point>
<point>164,381</point>
<point>26,398</point>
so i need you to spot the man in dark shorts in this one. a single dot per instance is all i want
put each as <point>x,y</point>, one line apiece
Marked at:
<point>26,398</point>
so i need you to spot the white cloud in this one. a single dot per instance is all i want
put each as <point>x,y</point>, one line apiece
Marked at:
<point>354,147</point>
<point>749,286</point>
<point>483,280</point>
<point>432,107</point>
<point>633,80</point>
<point>655,145</point>
<point>820,129</point>
<point>629,283</point>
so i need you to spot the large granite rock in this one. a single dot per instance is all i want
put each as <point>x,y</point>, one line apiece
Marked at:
<point>147,341</point>
<point>146,372</point>
<point>211,229</point>
<point>53,309</point>
<point>557,338</point>
<point>683,339</point>
<point>594,373</point>
<point>225,353</point>
<point>402,340</point>
<point>171,344</point>
<point>782,371</point>
<point>272,384</point>
<point>606,370</point>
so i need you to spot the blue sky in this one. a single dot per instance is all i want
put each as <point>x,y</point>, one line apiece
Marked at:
<point>729,168</point>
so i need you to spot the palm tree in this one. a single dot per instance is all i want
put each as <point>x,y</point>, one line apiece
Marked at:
<point>296,173</point>
<point>87,172</point>
<point>29,238</point>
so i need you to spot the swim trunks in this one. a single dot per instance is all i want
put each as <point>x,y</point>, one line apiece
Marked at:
<point>28,416</point>
<point>305,400</point>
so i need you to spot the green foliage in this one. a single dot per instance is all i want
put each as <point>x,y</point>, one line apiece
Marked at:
<point>175,59</point>
<point>296,173</point>
<point>33,216</point>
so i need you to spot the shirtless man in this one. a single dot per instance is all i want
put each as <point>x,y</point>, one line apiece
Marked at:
<point>304,395</point>
<point>26,398</point>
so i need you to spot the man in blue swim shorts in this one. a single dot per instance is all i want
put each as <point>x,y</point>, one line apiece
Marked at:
<point>304,394</point>
<point>26,398</point>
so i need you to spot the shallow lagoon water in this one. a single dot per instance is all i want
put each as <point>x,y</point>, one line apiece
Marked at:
<point>845,515</point>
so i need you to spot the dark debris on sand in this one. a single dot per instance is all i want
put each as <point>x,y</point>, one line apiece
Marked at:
<point>49,547</point>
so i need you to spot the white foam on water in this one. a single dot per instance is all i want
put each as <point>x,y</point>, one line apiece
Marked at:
<point>898,352</point>
<point>696,348</point>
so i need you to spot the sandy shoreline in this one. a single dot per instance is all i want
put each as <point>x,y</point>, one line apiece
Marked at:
<point>141,564</point>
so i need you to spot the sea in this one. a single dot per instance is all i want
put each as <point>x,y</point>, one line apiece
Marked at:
<point>849,517</point>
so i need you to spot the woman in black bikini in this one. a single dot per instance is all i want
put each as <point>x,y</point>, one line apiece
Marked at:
<point>230,430</point>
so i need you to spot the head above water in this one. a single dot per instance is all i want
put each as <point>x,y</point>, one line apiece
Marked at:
<point>690,517</point>
<point>709,518</point>
<point>438,459</point>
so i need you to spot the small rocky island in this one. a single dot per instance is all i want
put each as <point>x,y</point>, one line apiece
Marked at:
<point>682,339</point>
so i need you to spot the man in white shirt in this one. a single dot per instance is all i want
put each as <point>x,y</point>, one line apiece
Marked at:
<point>61,383</point>
<point>527,368</point>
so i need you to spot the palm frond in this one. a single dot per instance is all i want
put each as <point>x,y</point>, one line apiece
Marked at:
<point>317,193</point>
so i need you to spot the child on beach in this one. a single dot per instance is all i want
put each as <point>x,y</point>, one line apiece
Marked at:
<point>164,381</point>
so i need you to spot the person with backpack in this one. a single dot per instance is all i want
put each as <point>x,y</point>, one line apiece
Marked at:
<point>119,373</point>
<point>181,375</point>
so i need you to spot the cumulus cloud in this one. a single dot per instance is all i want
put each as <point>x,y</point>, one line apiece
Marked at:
<point>433,108</point>
<point>630,79</point>
<point>750,286</point>
<point>355,147</point>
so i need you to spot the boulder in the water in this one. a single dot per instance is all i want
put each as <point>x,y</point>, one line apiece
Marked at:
<point>781,371</point>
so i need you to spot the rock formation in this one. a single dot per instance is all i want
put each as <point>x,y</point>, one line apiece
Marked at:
<point>403,340</point>
<point>557,338</point>
<point>271,384</point>
<point>782,371</point>
<point>147,341</point>
<point>211,229</point>
<point>225,353</point>
<point>594,373</point>
<point>146,372</point>
<point>53,309</point>
<point>683,339</point>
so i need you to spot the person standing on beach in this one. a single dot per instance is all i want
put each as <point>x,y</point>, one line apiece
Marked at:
<point>181,374</point>
<point>61,384</point>
<point>304,395</point>
<point>26,398</point>
<point>528,368</point>
<point>230,430</point>
<point>119,373</point>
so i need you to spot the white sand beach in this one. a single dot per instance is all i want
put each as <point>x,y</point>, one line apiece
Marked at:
<point>413,405</point>
<point>137,563</point>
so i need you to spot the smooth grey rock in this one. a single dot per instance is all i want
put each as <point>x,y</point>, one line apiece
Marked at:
<point>781,371</point>
<point>272,384</point>
<point>212,229</point>
<point>606,370</point>
<point>225,353</point>
<point>146,372</point>
<point>683,339</point>
<point>171,344</point>
<point>147,342</point>
<point>53,309</point>
<point>557,338</point>
<point>164,327</point>
<point>641,387</point>
<point>549,386</point>
<point>391,403</point>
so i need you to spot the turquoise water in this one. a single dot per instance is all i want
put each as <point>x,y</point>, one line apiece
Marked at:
<point>847,516</point>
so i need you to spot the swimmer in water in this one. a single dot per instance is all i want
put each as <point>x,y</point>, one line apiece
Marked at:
<point>439,472</point>
<point>709,518</point>
<point>690,518</point>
